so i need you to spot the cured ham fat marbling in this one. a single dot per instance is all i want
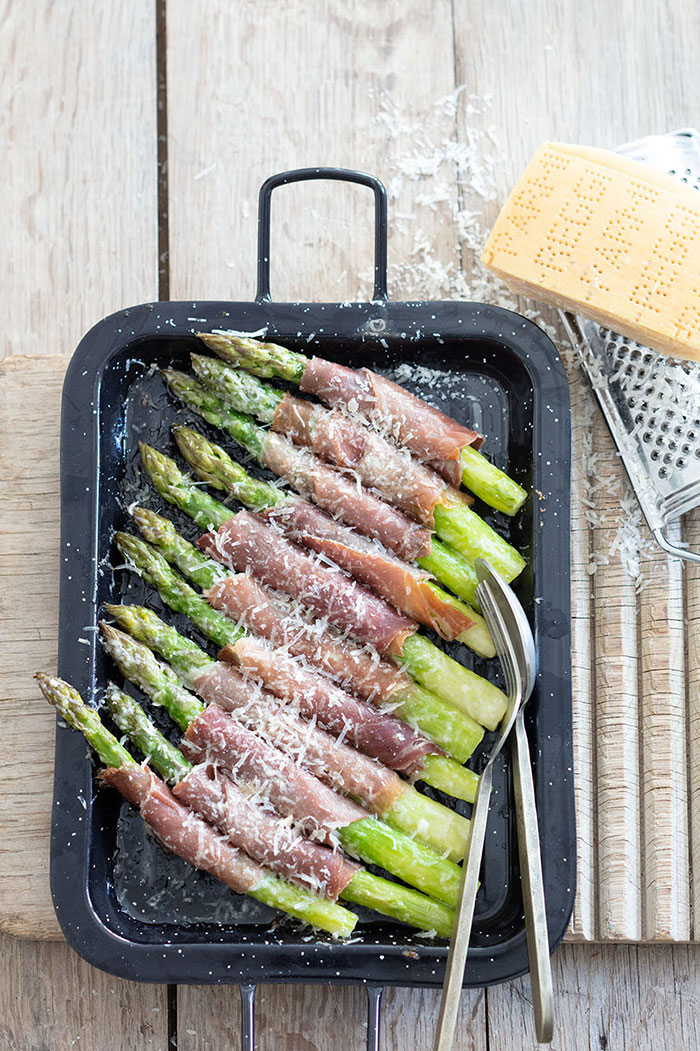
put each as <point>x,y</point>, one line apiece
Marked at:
<point>243,599</point>
<point>429,433</point>
<point>248,541</point>
<point>261,834</point>
<point>377,734</point>
<point>181,831</point>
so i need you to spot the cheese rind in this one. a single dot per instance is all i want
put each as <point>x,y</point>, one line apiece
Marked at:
<point>606,237</point>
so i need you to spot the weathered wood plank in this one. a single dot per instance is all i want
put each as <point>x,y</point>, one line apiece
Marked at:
<point>50,999</point>
<point>619,862</point>
<point>78,125</point>
<point>312,1018</point>
<point>326,86</point>
<point>30,394</point>
<point>664,749</point>
<point>692,711</point>
<point>583,919</point>
<point>616,997</point>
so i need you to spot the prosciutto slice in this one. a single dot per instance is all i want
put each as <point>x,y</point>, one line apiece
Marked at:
<point>340,766</point>
<point>429,433</point>
<point>405,586</point>
<point>213,795</point>
<point>180,831</point>
<point>375,733</point>
<point>242,599</point>
<point>216,737</point>
<point>334,436</point>
<point>248,541</point>
<point>343,499</point>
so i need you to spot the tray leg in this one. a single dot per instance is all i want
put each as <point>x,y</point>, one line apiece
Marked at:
<point>374,1015</point>
<point>247,1017</point>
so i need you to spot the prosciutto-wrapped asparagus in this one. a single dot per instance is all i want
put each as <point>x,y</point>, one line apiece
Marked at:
<point>472,694</point>
<point>337,492</point>
<point>284,784</point>
<point>180,830</point>
<point>247,605</point>
<point>377,734</point>
<point>407,587</point>
<point>376,786</point>
<point>245,817</point>
<point>316,697</point>
<point>368,456</point>
<point>451,447</point>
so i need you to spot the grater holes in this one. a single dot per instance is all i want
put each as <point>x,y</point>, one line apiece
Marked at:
<point>667,459</point>
<point>654,454</point>
<point>663,472</point>
<point>664,426</point>
<point>680,462</point>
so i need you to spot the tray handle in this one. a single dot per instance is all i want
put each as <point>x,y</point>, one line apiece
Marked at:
<point>304,175</point>
<point>247,1017</point>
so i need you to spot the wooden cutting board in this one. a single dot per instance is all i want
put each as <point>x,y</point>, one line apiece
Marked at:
<point>636,662</point>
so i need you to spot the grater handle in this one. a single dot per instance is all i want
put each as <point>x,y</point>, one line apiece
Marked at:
<point>247,1017</point>
<point>374,1015</point>
<point>339,175</point>
<point>677,552</point>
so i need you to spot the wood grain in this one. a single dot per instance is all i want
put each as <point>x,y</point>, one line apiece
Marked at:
<point>692,711</point>
<point>51,999</point>
<point>619,998</point>
<point>78,125</point>
<point>619,862</point>
<point>30,395</point>
<point>664,749</point>
<point>305,1018</point>
<point>328,92</point>
<point>583,920</point>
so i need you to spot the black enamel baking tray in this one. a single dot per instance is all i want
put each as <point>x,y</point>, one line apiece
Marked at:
<point>124,904</point>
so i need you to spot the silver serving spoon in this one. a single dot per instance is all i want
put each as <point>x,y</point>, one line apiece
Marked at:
<point>520,665</point>
<point>516,650</point>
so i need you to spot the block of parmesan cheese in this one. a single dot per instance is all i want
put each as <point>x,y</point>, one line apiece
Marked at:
<point>606,237</point>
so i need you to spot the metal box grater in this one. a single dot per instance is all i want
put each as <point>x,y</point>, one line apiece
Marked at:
<point>651,402</point>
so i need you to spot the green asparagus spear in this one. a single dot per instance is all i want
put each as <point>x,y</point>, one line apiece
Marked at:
<point>444,676</point>
<point>214,466</point>
<point>267,360</point>
<point>179,489</point>
<point>457,733</point>
<point>131,719</point>
<point>162,534</point>
<point>262,359</point>
<point>364,888</point>
<point>490,483</point>
<point>443,773</point>
<point>369,839</point>
<point>270,889</point>
<point>446,565</point>
<point>176,592</point>
<point>71,707</point>
<point>435,824</point>
<point>238,388</point>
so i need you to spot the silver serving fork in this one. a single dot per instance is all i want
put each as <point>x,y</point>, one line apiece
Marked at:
<point>515,645</point>
<point>519,665</point>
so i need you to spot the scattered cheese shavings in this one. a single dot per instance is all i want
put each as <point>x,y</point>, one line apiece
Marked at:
<point>442,162</point>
